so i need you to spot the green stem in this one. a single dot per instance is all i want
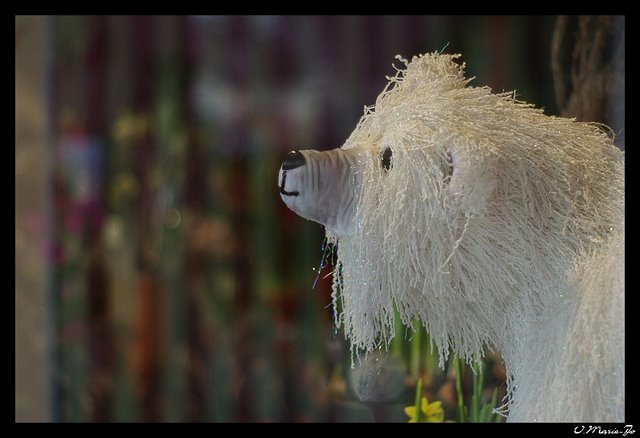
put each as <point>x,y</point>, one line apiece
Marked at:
<point>475,398</point>
<point>415,353</point>
<point>478,380</point>
<point>458,372</point>
<point>419,401</point>
<point>494,399</point>
<point>422,363</point>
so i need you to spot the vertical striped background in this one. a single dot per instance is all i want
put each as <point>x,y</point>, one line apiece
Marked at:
<point>181,284</point>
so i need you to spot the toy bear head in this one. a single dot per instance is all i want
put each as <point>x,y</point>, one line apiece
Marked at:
<point>456,207</point>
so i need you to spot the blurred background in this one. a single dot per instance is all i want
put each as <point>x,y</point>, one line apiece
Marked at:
<point>159,277</point>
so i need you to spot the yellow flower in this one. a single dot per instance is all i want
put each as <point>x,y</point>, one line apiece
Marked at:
<point>429,412</point>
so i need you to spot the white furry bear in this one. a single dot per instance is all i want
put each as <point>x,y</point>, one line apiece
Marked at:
<point>492,224</point>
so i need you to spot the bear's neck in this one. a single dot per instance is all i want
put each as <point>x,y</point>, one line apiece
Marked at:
<point>533,352</point>
<point>566,361</point>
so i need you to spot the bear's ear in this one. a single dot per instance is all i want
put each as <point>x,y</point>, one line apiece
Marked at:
<point>449,167</point>
<point>470,178</point>
<point>454,170</point>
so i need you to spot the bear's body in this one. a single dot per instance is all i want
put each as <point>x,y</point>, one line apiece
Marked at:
<point>493,224</point>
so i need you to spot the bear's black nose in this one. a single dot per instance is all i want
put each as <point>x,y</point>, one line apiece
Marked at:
<point>292,160</point>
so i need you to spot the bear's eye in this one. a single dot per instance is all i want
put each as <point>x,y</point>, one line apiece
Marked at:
<point>386,158</point>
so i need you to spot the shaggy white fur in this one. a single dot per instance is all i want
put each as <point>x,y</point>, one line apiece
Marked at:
<point>495,226</point>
